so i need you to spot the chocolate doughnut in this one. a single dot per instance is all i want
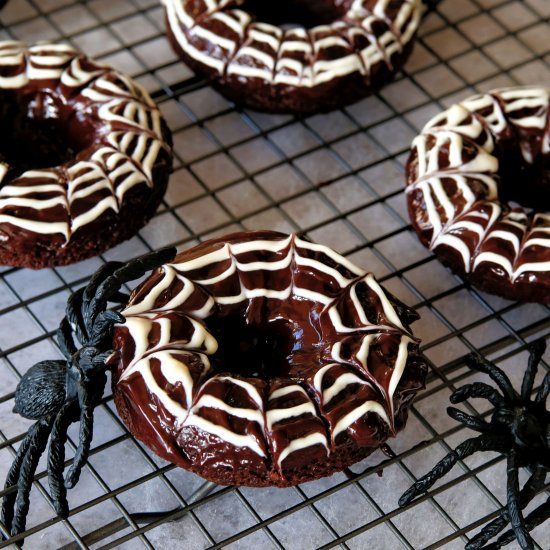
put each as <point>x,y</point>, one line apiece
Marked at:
<point>479,191</point>
<point>332,53</point>
<point>262,359</point>
<point>84,156</point>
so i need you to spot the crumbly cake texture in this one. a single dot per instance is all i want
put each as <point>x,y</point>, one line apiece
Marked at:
<point>291,68</point>
<point>479,191</point>
<point>85,160</point>
<point>262,359</point>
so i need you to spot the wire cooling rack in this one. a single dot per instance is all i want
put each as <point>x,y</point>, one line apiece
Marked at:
<point>338,178</point>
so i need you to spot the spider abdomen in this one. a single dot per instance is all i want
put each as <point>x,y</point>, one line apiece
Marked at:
<point>41,390</point>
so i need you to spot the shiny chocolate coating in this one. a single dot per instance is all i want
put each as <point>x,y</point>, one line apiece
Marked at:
<point>85,158</point>
<point>479,191</point>
<point>262,359</point>
<point>293,55</point>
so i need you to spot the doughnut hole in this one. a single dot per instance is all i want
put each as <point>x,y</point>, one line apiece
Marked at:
<point>40,131</point>
<point>265,341</point>
<point>297,12</point>
<point>522,182</point>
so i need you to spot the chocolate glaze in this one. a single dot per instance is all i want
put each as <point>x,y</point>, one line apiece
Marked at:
<point>71,186</point>
<point>333,361</point>
<point>300,57</point>
<point>298,12</point>
<point>479,191</point>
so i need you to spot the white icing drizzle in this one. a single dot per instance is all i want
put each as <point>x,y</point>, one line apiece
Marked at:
<point>86,189</point>
<point>461,198</point>
<point>175,371</point>
<point>340,384</point>
<point>358,413</point>
<point>224,39</point>
<point>149,309</point>
<point>399,367</point>
<point>299,443</point>
<point>229,436</point>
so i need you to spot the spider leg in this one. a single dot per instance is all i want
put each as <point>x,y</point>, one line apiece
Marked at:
<point>73,313</point>
<point>531,488</point>
<point>98,278</point>
<point>469,421</point>
<point>483,442</point>
<point>478,389</point>
<point>25,475</point>
<point>535,355</point>
<point>65,339</point>
<point>138,267</point>
<point>104,321</point>
<point>77,311</point>
<point>479,363</point>
<point>120,297</point>
<point>11,479</point>
<point>535,518</point>
<point>56,458</point>
<point>84,441</point>
<point>514,508</point>
<point>132,270</point>
<point>544,390</point>
<point>487,533</point>
<point>105,271</point>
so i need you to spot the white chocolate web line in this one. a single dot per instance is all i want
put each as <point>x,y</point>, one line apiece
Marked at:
<point>123,158</point>
<point>239,46</point>
<point>145,316</point>
<point>468,211</point>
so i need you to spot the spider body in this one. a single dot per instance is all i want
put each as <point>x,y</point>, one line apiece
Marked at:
<point>528,432</point>
<point>58,393</point>
<point>519,428</point>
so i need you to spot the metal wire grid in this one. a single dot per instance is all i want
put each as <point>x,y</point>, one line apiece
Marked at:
<point>337,178</point>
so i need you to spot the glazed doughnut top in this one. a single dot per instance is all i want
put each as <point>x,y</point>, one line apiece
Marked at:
<point>77,138</point>
<point>258,348</point>
<point>479,190</point>
<point>359,36</point>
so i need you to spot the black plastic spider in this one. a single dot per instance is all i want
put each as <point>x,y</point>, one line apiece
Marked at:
<point>58,393</point>
<point>520,429</point>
